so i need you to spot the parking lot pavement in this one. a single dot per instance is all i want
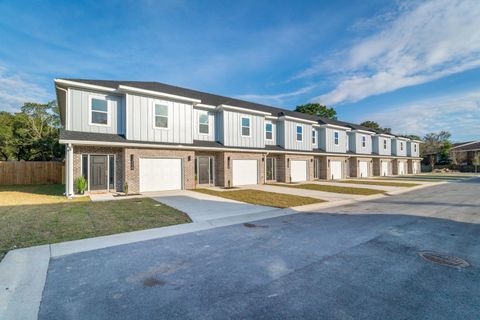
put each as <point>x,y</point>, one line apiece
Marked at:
<point>352,262</point>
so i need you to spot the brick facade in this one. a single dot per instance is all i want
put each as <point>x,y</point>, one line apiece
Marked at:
<point>132,173</point>
<point>354,166</point>
<point>325,172</point>
<point>227,166</point>
<point>377,166</point>
<point>78,151</point>
<point>286,169</point>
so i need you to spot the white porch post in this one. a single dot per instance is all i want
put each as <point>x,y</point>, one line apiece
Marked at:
<point>69,170</point>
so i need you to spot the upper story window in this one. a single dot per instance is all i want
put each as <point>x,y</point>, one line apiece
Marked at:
<point>99,111</point>
<point>245,127</point>
<point>385,144</point>
<point>299,133</point>
<point>203,127</point>
<point>268,131</point>
<point>336,138</point>
<point>314,136</point>
<point>364,142</point>
<point>161,116</point>
<point>401,146</point>
<point>414,147</point>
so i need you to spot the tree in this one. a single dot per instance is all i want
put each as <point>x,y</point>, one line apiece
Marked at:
<point>31,134</point>
<point>476,161</point>
<point>413,137</point>
<point>6,135</point>
<point>375,127</point>
<point>436,144</point>
<point>318,110</point>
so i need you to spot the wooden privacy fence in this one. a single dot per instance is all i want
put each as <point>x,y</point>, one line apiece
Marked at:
<point>31,172</point>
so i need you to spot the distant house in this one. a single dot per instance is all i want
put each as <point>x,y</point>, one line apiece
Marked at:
<point>465,152</point>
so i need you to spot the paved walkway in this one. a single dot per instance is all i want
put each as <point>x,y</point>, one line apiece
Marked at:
<point>204,207</point>
<point>328,196</point>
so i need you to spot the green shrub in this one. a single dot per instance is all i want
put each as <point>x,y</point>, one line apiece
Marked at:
<point>81,184</point>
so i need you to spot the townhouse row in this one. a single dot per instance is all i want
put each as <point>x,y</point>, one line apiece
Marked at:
<point>153,137</point>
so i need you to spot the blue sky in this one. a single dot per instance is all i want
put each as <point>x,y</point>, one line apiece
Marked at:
<point>410,65</point>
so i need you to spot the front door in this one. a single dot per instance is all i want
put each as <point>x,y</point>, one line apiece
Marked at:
<point>271,174</point>
<point>98,172</point>
<point>205,170</point>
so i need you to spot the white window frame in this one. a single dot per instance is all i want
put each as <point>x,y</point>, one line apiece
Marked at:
<point>401,146</point>
<point>202,113</point>
<point>296,132</point>
<point>158,102</point>
<point>271,124</point>
<point>314,136</point>
<point>336,138</point>
<point>90,111</point>
<point>249,126</point>
<point>364,141</point>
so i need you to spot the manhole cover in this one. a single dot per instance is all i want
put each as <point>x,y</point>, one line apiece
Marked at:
<point>443,259</point>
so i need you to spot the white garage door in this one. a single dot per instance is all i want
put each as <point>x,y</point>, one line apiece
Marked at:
<point>401,168</point>
<point>363,169</point>
<point>336,169</point>
<point>245,172</point>
<point>415,167</point>
<point>384,169</point>
<point>159,174</point>
<point>298,170</point>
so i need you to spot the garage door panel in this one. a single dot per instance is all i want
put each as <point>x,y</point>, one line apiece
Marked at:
<point>298,170</point>
<point>245,172</point>
<point>384,169</point>
<point>336,170</point>
<point>363,169</point>
<point>160,174</point>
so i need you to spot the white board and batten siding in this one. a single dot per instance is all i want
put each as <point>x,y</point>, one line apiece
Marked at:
<point>79,114</point>
<point>232,130</point>
<point>328,143</point>
<point>211,125</point>
<point>298,170</point>
<point>396,147</point>
<point>244,172</point>
<point>413,149</point>
<point>140,120</point>
<point>356,144</point>
<point>273,141</point>
<point>378,145</point>
<point>289,140</point>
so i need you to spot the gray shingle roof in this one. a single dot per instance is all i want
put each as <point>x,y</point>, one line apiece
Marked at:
<point>468,146</point>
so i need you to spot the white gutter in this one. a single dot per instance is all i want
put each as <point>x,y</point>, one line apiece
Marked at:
<point>83,85</point>
<point>205,106</point>
<point>157,94</point>
<point>159,146</point>
<point>364,131</point>
<point>335,127</point>
<point>298,119</point>
<point>232,108</point>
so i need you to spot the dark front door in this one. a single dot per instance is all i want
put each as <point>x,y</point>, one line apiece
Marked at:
<point>98,172</point>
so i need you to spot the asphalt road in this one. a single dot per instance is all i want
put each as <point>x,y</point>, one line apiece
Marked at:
<point>353,262</point>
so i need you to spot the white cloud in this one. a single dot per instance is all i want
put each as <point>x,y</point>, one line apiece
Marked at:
<point>275,98</point>
<point>425,42</point>
<point>459,114</point>
<point>15,91</point>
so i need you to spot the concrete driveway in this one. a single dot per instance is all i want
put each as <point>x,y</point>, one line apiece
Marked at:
<point>352,262</point>
<point>204,207</point>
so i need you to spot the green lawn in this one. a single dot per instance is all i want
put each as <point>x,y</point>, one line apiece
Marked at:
<point>326,188</point>
<point>381,183</point>
<point>51,218</point>
<point>263,198</point>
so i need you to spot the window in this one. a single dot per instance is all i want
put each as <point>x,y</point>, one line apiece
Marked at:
<point>268,131</point>
<point>364,141</point>
<point>203,123</point>
<point>299,133</point>
<point>99,111</point>
<point>314,136</point>
<point>161,116</point>
<point>401,146</point>
<point>336,137</point>
<point>414,147</point>
<point>384,144</point>
<point>85,167</point>
<point>245,127</point>
<point>111,171</point>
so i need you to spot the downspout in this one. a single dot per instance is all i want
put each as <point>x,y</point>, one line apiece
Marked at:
<point>69,171</point>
